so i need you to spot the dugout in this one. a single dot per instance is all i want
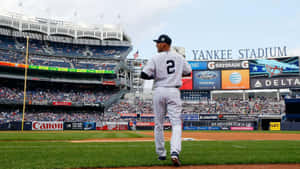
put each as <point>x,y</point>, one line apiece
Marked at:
<point>265,122</point>
<point>292,109</point>
<point>292,117</point>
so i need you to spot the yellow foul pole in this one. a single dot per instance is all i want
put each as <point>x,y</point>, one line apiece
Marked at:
<point>25,81</point>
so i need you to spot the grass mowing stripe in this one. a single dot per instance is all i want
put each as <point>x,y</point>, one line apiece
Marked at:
<point>74,155</point>
<point>80,135</point>
<point>62,146</point>
<point>253,131</point>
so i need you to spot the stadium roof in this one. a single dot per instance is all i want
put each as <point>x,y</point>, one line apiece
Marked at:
<point>51,26</point>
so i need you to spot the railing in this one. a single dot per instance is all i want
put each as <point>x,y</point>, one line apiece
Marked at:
<point>50,29</point>
<point>114,99</point>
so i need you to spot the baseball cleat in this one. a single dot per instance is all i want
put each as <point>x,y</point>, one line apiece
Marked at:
<point>175,159</point>
<point>161,158</point>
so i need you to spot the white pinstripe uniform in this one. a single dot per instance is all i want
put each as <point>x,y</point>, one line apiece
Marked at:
<point>167,69</point>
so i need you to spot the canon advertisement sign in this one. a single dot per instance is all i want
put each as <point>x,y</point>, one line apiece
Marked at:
<point>49,125</point>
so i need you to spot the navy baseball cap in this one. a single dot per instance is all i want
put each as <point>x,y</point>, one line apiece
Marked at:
<point>164,39</point>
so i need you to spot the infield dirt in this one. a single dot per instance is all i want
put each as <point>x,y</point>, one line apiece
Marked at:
<point>213,136</point>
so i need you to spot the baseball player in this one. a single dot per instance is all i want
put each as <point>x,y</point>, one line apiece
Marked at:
<point>167,69</point>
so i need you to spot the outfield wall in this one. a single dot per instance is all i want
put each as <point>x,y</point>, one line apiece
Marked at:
<point>60,126</point>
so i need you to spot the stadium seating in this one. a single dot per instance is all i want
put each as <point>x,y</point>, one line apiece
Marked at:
<point>58,54</point>
<point>40,60</point>
<point>82,116</point>
<point>61,49</point>
<point>48,96</point>
<point>256,105</point>
<point>259,105</point>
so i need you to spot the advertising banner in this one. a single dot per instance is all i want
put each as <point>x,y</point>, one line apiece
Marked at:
<point>112,126</point>
<point>290,125</point>
<point>198,65</point>
<point>73,126</point>
<point>190,117</point>
<point>187,83</point>
<point>47,125</point>
<point>62,103</point>
<point>200,128</point>
<point>279,67</point>
<point>16,125</point>
<point>147,115</point>
<point>206,80</point>
<point>274,126</point>
<point>148,124</point>
<point>241,128</point>
<point>230,116</point>
<point>144,123</point>
<point>220,123</point>
<point>101,126</point>
<point>56,68</point>
<point>91,104</point>
<point>111,83</point>
<point>5,126</point>
<point>126,115</point>
<point>208,117</point>
<point>228,65</point>
<point>235,79</point>
<point>89,125</point>
<point>280,82</point>
<point>199,93</point>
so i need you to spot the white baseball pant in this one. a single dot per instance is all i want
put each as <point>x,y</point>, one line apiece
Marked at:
<point>167,100</point>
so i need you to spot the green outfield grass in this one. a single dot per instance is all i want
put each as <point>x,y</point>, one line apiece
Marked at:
<point>64,135</point>
<point>35,154</point>
<point>254,131</point>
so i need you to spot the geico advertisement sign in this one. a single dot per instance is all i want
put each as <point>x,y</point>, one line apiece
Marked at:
<point>40,125</point>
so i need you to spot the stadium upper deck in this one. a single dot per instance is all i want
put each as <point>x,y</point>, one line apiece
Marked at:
<point>60,38</point>
<point>51,27</point>
<point>61,44</point>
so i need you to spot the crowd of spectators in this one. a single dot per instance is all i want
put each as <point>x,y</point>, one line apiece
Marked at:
<point>61,49</point>
<point>11,56</point>
<point>48,96</point>
<point>80,116</point>
<point>140,107</point>
<point>51,61</point>
<point>236,105</point>
<point>59,55</point>
<point>259,105</point>
<point>218,105</point>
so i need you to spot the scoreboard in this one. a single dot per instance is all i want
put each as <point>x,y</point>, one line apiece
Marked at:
<point>274,73</point>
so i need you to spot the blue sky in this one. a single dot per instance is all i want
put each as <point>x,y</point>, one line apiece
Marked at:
<point>232,24</point>
<point>193,24</point>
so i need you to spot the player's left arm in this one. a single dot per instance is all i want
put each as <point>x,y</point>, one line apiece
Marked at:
<point>145,76</point>
<point>187,70</point>
<point>148,71</point>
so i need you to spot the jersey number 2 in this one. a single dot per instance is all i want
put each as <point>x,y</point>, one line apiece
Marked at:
<point>171,66</point>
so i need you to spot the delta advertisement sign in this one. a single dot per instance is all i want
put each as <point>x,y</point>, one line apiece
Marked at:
<point>275,83</point>
<point>49,125</point>
<point>274,73</point>
<point>235,79</point>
